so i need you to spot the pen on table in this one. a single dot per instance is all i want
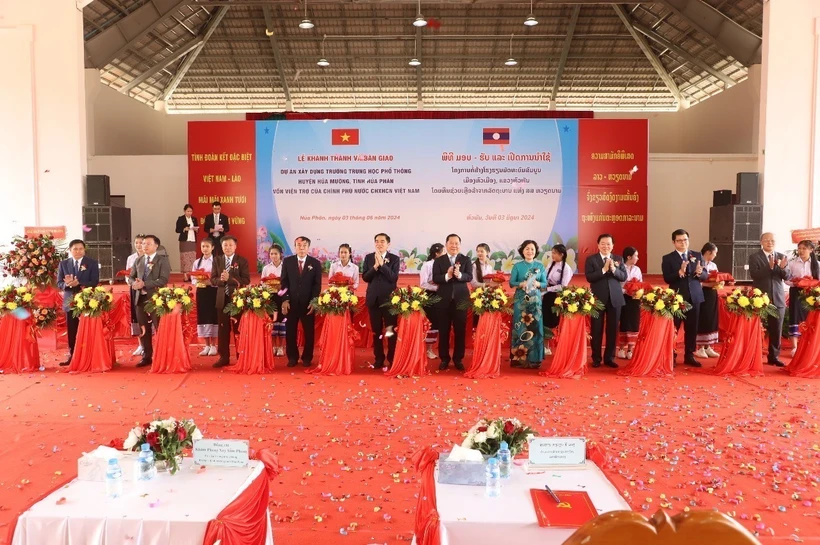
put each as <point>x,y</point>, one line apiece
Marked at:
<point>551,493</point>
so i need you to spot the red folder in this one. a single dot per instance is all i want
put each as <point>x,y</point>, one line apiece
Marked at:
<point>573,511</point>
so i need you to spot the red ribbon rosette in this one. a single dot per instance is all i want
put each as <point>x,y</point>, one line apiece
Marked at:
<point>201,276</point>
<point>271,281</point>
<point>633,286</point>
<point>123,273</point>
<point>715,276</point>
<point>807,282</point>
<point>339,280</point>
<point>498,278</point>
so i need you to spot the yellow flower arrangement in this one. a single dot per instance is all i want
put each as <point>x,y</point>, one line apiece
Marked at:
<point>170,299</point>
<point>749,302</point>
<point>578,301</point>
<point>335,300</point>
<point>92,302</point>
<point>663,302</point>
<point>489,300</point>
<point>402,299</point>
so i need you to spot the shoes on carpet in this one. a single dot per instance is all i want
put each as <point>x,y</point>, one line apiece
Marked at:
<point>65,363</point>
<point>459,366</point>
<point>443,365</point>
<point>621,355</point>
<point>139,351</point>
<point>214,350</point>
<point>206,351</point>
<point>388,332</point>
<point>596,364</point>
<point>701,353</point>
<point>629,355</point>
<point>378,365</point>
<point>611,364</point>
<point>711,353</point>
<point>547,351</point>
<point>293,363</point>
<point>776,363</point>
<point>221,363</point>
<point>692,362</point>
<point>279,351</point>
<point>144,362</point>
<point>306,364</point>
<point>431,355</point>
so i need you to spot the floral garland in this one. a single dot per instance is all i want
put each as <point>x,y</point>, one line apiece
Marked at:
<point>665,302</point>
<point>579,301</point>
<point>750,302</point>
<point>167,300</point>
<point>488,300</point>
<point>486,435</point>
<point>405,301</point>
<point>335,300</point>
<point>810,298</point>
<point>21,301</point>
<point>167,439</point>
<point>91,302</point>
<point>36,259</point>
<point>258,299</point>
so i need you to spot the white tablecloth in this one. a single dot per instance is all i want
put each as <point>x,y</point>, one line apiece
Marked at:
<point>169,510</point>
<point>468,518</point>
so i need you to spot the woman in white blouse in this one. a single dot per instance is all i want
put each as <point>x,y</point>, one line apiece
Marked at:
<point>559,275</point>
<point>802,266</point>
<point>207,319</point>
<point>345,266</point>
<point>631,311</point>
<point>481,267</point>
<point>708,321</point>
<point>129,264</point>
<point>426,283</point>
<point>274,268</point>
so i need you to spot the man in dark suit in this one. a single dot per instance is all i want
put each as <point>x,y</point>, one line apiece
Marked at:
<point>768,269</point>
<point>74,274</point>
<point>150,273</point>
<point>605,271</point>
<point>381,272</point>
<point>217,226</point>
<point>683,270</point>
<point>453,273</point>
<point>229,272</point>
<point>301,281</point>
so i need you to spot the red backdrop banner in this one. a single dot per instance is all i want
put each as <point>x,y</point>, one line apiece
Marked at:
<point>222,167</point>
<point>612,194</point>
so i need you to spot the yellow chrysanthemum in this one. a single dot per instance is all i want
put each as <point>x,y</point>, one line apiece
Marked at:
<point>572,308</point>
<point>354,300</point>
<point>810,300</point>
<point>478,303</point>
<point>679,298</point>
<point>80,304</point>
<point>265,295</point>
<point>257,303</point>
<point>757,302</point>
<point>495,304</point>
<point>186,300</point>
<point>558,301</point>
<point>404,306</point>
<point>21,289</point>
<point>478,291</point>
<point>344,297</point>
<point>580,291</point>
<point>93,304</point>
<point>395,300</point>
<point>416,290</point>
<point>87,290</point>
<point>164,290</point>
<point>2,304</point>
<point>650,297</point>
<point>415,305</point>
<point>660,305</point>
<point>675,307</point>
<point>565,293</point>
<point>179,291</point>
<point>171,304</point>
<point>11,306</point>
<point>587,307</point>
<point>240,303</point>
<point>503,298</point>
<point>743,301</point>
<point>766,299</point>
<point>756,291</point>
<point>326,298</point>
<point>100,288</point>
<point>28,297</point>
<point>591,300</point>
<point>638,294</point>
<point>109,297</point>
<point>670,291</point>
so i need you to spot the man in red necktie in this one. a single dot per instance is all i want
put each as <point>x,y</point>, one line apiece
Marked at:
<point>301,281</point>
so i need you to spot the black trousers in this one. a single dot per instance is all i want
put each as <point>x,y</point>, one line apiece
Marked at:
<point>73,325</point>
<point>294,316</point>
<point>690,329</point>
<point>453,318</point>
<point>226,327</point>
<point>147,322</point>
<point>774,327</point>
<point>612,316</point>
<point>380,318</point>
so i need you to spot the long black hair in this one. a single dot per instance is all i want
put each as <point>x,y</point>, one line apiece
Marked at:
<point>479,275</point>
<point>815,266</point>
<point>435,248</point>
<point>561,249</point>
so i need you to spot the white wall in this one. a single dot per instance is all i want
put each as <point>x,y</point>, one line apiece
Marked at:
<point>155,189</point>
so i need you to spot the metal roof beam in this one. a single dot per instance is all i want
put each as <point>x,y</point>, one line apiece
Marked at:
<point>116,39</point>
<point>650,55</point>
<point>277,55</point>
<point>562,62</point>
<point>679,51</point>
<point>740,43</point>
<point>210,27</point>
<point>162,65</point>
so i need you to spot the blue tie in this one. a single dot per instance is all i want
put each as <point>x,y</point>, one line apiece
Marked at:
<point>146,270</point>
<point>76,267</point>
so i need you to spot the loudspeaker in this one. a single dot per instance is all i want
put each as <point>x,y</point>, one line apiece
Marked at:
<point>735,224</point>
<point>734,259</point>
<point>118,201</point>
<point>747,188</point>
<point>722,197</point>
<point>107,224</point>
<point>97,190</point>
<point>112,257</point>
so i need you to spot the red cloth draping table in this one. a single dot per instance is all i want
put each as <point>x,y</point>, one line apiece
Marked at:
<point>120,316</point>
<point>653,354</point>
<point>489,337</point>
<point>570,358</point>
<point>426,512</point>
<point>254,345</point>
<point>742,353</point>
<point>94,349</point>
<point>806,362</point>
<point>170,348</point>
<point>19,341</point>
<point>337,344</point>
<point>411,352</point>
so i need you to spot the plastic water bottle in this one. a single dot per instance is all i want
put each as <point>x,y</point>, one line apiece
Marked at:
<point>113,479</point>
<point>147,471</point>
<point>504,460</point>
<point>493,486</point>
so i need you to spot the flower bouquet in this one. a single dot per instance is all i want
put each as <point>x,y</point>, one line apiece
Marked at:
<point>91,302</point>
<point>636,289</point>
<point>810,298</point>
<point>405,301</point>
<point>258,299</point>
<point>21,302</point>
<point>572,302</point>
<point>805,283</point>
<point>335,300</point>
<point>488,300</point>
<point>167,438</point>
<point>751,303</point>
<point>202,277</point>
<point>339,280</point>
<point>35,259</point>
<point>486,435</point>
<point>167,300</point>
<point>665,302</point>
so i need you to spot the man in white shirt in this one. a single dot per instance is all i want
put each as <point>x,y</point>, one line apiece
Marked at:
<point>217,226</point>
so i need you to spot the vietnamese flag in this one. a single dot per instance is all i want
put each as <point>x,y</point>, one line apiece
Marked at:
<point>344,137</point>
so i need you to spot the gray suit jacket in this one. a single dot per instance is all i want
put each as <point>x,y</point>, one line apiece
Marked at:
<point>768,280</point>
<point>157,277</point>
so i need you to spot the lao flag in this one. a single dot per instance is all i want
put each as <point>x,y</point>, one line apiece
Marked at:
<point>344,137</point>
<point>497,136</point>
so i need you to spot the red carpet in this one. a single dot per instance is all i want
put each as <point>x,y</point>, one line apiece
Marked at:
<point>748,447</point>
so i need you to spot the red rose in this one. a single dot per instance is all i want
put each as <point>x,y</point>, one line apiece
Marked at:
<point>482,429</point>
<point>181,433</point>
<point>509,427</point>
<point>152,439</point>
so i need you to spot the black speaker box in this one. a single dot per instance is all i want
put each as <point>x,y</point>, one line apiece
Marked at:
<point>107,224</point>
<point>722,197</point>
<point>97,190</point>
<point>748,184</point>
<point>734,259</point>
<point>735,224</point>
<point>112,257</point>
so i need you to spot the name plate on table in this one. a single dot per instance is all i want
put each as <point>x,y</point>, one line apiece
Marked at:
<point>557,452</point>
<point>221,453</point>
